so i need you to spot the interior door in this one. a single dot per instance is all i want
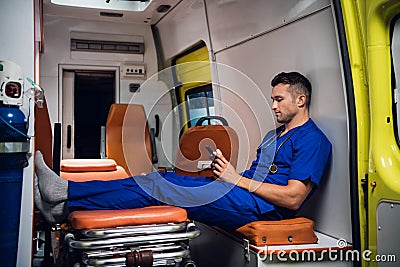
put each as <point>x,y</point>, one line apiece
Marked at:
<point>87,97</point>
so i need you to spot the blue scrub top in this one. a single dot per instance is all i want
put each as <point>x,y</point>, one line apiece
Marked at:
<point>304,153</point>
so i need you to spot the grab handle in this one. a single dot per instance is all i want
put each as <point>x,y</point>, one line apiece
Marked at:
<point>209,118</point>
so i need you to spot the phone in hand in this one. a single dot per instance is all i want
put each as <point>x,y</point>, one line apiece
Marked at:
<point>212,156</point>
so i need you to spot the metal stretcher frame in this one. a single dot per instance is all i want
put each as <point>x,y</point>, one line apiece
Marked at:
<point>149,245</point>
<point>136,237</point>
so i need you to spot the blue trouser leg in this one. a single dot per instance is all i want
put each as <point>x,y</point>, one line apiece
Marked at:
<point>206,200</point>
<point>114,194</point>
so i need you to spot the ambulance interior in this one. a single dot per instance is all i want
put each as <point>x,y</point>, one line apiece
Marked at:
<point>165,56</point>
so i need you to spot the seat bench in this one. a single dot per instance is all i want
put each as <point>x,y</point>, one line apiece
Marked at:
<point>216,247</point>
<point>325,243</point>
<point>287,236</point>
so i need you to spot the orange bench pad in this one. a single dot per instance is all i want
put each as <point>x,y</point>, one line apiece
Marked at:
<point>93,219</point>
<point>294,231</point>
<point>94,165</point>
<point>96,175</point>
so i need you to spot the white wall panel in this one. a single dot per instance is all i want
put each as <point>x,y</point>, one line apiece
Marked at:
<point>245,107</point>
<point>17,45</point>
<point>16,30</point>
<point>57,51</point>
<point>232,21</point>
<point>184,26</point>
<point>297,46</point>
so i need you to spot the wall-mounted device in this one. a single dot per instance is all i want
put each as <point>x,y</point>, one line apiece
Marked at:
<point>133,70</point>
<point>134,87</point>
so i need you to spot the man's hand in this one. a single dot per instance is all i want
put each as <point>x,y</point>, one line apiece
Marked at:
<point>223,169</point>
<point>289,196</point>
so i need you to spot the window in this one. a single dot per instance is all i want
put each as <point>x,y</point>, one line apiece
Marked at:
<point>195,95</point>
<point>200,103</point>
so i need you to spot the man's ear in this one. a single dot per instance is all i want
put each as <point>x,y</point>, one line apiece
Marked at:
<point>301,100</point>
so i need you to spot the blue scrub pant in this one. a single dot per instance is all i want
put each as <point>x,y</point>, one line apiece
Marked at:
<point>206,200</point>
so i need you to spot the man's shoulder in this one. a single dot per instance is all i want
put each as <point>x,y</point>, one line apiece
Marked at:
<point>311,131</point>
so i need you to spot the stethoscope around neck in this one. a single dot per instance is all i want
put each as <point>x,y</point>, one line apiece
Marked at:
<point>273,168</point>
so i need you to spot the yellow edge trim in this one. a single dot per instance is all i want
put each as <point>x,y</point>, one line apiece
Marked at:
<point>355,34</point>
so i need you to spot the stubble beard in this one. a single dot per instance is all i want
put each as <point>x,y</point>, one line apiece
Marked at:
<point>285,118</point>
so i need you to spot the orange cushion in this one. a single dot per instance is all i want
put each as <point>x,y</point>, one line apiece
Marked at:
<point>94,165</point>
<point>127,131</point>
<point>96,175</point>
<point>92,219</point>
<point>284,232</point>
<point>192,148</point>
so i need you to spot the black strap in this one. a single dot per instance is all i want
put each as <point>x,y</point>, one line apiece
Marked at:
<point>281,144</point>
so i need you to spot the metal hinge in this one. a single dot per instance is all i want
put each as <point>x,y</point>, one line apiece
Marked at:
<point>246,245</point>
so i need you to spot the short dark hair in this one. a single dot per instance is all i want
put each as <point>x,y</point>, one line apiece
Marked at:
<point>299,84</point>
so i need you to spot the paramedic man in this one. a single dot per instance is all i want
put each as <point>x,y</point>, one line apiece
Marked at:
<point>290,164</point>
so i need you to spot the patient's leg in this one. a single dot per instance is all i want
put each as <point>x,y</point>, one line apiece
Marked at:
<point>53,189</point>
<point>53,213</point>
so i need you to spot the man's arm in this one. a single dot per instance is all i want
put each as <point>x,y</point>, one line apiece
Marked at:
<point>290,196</point>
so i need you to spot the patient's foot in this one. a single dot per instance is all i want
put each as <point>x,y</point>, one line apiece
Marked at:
<point>53,213</point>
<point>53,188</point>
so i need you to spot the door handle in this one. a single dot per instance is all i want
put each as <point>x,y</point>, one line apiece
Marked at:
<point>69,129</point>
<point>157,132</point>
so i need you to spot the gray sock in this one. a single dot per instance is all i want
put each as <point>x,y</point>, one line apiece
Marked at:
<point>59,212</point>
<point>53,213</point>
<point>53,188</point>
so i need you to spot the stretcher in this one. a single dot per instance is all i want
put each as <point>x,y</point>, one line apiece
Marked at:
<point>149,236</point>
<point>137,243</point>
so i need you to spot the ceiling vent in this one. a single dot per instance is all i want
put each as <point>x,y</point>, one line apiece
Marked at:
<point>107,47</point>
